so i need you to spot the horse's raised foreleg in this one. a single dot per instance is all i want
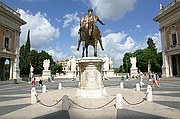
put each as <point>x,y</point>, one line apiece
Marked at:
<point>100,42</point>
<point>79,42</point>
<point>83,52</point>
<point>95,50</point>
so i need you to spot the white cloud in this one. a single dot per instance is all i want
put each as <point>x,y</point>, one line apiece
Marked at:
<point>138,26</point>
<point>56,53</point>
<point>70,18</point>
<point>157,40</point>
<point>74,31</point>
<point>41,30</point>
<point>108,31</point>
<point>73,21</point>
<point>108,9</point>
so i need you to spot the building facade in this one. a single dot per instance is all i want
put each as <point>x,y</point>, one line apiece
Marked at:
<point>10,23</point>
<point>169,20</point>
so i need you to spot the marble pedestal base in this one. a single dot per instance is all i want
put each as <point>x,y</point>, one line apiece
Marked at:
<point>90,78</point>
<point>134,72</point>
<point>46,74</point>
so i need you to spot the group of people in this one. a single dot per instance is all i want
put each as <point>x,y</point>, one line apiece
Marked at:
<point>154,76</point>
<point>156,79</point>
<point>33,81</point>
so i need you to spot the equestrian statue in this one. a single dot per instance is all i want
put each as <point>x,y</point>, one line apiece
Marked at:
<point>89,32</point>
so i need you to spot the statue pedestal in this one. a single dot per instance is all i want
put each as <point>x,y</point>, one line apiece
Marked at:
<point>109,73</point>
<point>46,74</point>
<point>90,78</point>
<point>134,72</point>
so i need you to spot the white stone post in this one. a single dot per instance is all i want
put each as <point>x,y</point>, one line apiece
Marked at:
<point>33,95</point>
<point>60,86</point>
<point>137,87</point>
<point>119,101</point>
<point>44,89</point>
<point>121,85</point>
<point>65,103</point>
<point>149,93</point>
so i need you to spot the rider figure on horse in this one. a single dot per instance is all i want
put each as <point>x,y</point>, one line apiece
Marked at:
<point>87,18</point>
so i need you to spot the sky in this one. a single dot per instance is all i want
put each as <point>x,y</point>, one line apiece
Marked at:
<point>54,25</point>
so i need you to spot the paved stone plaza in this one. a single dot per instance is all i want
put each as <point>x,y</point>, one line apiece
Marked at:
<point>15,101</point>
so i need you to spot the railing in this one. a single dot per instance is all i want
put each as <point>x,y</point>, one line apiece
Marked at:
<point>2,5</point>
<point>169,5</point>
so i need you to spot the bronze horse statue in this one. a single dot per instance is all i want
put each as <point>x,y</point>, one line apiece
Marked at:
<point>90,35</point>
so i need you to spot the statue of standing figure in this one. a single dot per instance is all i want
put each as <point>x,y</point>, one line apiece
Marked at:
<point>46,64</point>
<point>89,32</point>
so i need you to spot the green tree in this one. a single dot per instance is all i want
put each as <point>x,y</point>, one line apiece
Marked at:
<point>144,56</point>
<point>24,57</point>
<point>121,69</point>
<point>126,62</point>
<point>56,68</point>
<point>41,57</point>
<point>33,57</point>
<point>151,45</point>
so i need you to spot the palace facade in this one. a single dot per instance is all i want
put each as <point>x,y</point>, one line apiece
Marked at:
<point>10,23</point>
<point>169,20</point>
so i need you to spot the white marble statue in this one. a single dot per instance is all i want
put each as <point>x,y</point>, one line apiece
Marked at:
<point>133,62</point>
<point>73,63</point>
<point>106,64</point>
<point>110,64</point>
<point>31,69</point>
<point>46,64</point>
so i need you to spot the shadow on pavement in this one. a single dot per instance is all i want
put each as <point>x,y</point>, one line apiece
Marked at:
<point>172,104</point>
<point>8,98</point>
<point>169,94</point>
<point>130,114</point>
<point>11,108</point>
<point>56,115</point>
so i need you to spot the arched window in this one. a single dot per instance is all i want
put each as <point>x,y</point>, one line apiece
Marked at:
<point>173,36</point>
<point>7,40</point>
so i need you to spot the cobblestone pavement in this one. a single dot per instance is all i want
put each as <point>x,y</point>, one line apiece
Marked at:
<point>15,101</point>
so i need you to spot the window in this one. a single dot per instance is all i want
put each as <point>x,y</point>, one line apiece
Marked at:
<point>173,36</point>
<point>7,40</point>
<point>174,40</point>
<point>6,43</point>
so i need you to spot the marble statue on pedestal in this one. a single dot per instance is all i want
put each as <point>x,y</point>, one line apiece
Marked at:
<point>134,69</point>
<point>108,67</point>
<point>46,72</point>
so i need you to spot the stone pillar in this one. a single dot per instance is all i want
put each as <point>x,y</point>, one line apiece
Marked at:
<point>60,86</point>
<point>11,69</point>
<point>16,72</point>
<point>137,87</point>
<point>119,101</point>
<point>165,67</point>
<point>65,103</point>
<point>170,66</point>
<point>121,85</point>
<point>33,95</point>
<point>149,93</point>
<point>44,89</point>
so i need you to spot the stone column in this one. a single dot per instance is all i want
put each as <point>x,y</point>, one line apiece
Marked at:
<point>170,66</point>
<point>16,72</point>
<point>165,67</point>
<point>11,69</point>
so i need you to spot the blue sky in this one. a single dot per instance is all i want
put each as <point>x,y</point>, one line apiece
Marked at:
<point>54,25</point>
